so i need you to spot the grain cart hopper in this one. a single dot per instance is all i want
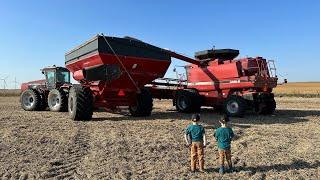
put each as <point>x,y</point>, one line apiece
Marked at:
<point>112,72</point>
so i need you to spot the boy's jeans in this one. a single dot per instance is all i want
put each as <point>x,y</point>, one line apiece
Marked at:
<point>197,154</point>
<point>225,153</point>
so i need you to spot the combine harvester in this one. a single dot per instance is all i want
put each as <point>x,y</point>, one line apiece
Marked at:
<point>115,72</point>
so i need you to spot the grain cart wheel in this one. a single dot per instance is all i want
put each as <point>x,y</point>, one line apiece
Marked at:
<point>30,100</point>
<point>80,103</point>
<point>144,104</point>
<point>235,106</point>
<point>57,100</point>
<point>188,101</point>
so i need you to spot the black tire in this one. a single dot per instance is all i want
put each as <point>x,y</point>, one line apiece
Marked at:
<point>80,103</point>
<point>144,104</point>
<point>30,100</point>
<point>57,100</point>
<point>266,107</point>
<point>235,106</point>
<point>44,102</point>
<point>188,101</point>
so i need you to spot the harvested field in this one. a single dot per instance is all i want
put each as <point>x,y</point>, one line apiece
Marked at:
<point>299,89</point>
<point>41,145</point>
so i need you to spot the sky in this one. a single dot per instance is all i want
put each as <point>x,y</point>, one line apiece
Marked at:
<point>35,34</point>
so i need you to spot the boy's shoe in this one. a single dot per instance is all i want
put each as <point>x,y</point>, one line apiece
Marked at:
<point>230,170</point>
<point>221,170</point>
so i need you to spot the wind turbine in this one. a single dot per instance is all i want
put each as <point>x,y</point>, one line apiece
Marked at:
<point>15,83</point>
<point>4,81</point>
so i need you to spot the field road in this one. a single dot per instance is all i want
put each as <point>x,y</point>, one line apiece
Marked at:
<point>48,145</point>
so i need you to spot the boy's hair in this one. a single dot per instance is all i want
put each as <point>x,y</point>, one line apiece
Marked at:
<point>195,117</point>
<point>224,119</point>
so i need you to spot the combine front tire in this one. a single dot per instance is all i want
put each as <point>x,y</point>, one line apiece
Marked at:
<point>235,106</point>
<point>30,100</point>
<point>266,107</point>
<point>80,103</point>
<point>144,104</point>
<point>57,100</point>
<point>188,101</point>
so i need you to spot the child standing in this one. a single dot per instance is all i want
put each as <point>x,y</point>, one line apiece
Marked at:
<point>195,136</point>
<point>224,136</point>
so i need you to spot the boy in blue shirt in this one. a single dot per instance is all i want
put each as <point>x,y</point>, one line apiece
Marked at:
<point>195,136</point>
<point>224,136</point>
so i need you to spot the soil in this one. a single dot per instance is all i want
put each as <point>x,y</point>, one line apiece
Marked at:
<point>48,145</point>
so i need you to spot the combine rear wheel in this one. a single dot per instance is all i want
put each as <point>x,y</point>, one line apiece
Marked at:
<point>235,106</point>
<point>188,101</point>
<point>30,100</point>
<point>57,100</point>
<point>144,104</point>
<point>80,103</point>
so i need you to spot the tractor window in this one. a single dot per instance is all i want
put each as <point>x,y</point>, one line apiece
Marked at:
<point>63,76</point>
<point>50,78</point>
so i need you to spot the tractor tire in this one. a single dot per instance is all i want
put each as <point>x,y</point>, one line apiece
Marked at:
<point>144,104</point>
<point>30,100</point>
<point>235,106</point>
<point>57,100</point>
<point>266,107</point>
<point>80,103</point>
<point>44,102</point>
<point>188,101</point>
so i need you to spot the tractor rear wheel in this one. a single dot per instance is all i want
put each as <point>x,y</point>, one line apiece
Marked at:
<point>30,100</point>
<point>188,101</point>
<point>235,106</point>
<point>144,104</point>
<point>57,100</point>
<point>80,103</point>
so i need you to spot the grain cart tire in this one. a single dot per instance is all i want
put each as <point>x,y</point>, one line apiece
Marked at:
<point>144,104</point>
<point>80,103</point>
<point>57,100</point>
<point>30,100</point>
<point>187,101</point>
<point>235,106</point>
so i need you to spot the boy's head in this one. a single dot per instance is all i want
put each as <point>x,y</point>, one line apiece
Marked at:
<point>195,117</point>
<point>224,119</point>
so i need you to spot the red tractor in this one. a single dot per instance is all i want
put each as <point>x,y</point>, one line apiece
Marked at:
<point>115,72</point>
<point>50,92</point>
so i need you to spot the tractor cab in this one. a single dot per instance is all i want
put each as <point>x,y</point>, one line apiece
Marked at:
<point>56,76</point>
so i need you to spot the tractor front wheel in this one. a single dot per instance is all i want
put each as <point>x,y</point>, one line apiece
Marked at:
<point>235,106</point>
<point>30,100</point>
<point>144,104</point>
<point>80,103</point>
<point>57,100</point>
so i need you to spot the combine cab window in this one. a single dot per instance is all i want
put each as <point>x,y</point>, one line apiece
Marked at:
<point>63,77</point>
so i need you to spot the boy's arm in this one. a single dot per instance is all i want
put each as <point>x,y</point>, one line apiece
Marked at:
<point>231,133</point>
<point>204,140</point>
<point>187,139</point>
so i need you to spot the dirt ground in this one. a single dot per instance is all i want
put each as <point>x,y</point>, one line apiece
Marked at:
<point>41,145</point>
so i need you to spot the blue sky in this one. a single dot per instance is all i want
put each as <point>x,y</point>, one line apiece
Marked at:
<point>34,34</point>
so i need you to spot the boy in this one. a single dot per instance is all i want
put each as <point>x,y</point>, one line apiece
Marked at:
<point>224,136</point>
<point>195,136</point>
